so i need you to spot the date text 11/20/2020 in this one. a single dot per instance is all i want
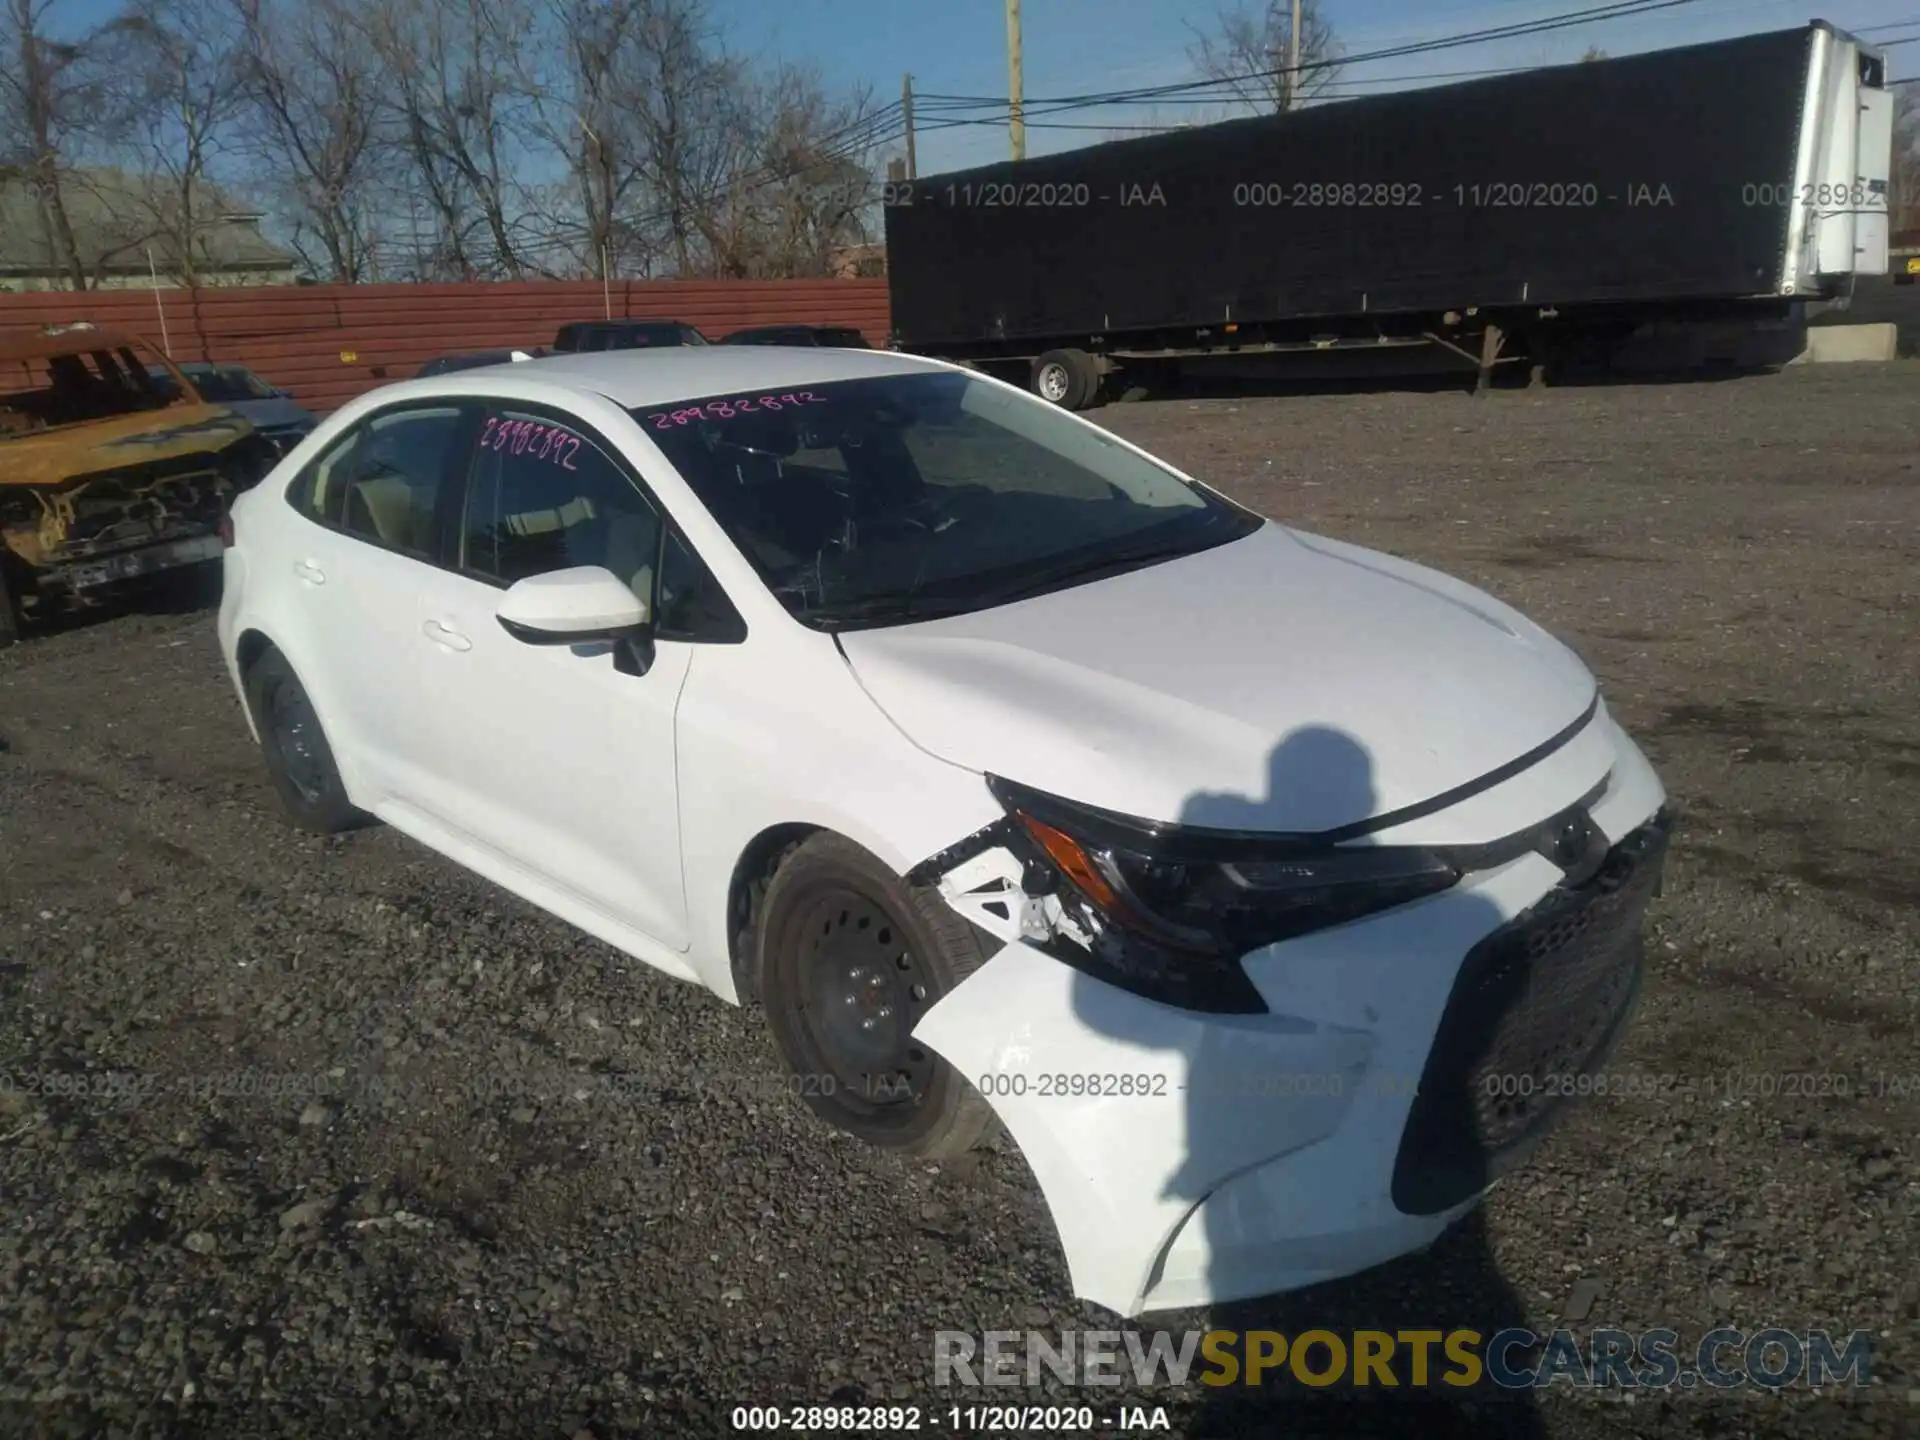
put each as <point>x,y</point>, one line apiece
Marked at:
<point>957,1419</point>
<point>1296,194</point>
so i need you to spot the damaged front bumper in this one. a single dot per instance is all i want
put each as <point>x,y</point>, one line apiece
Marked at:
<point>1193,1158</point>
<point>79,577</point>
<point>101,531</point>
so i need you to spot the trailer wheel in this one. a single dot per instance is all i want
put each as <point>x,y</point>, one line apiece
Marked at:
<point>1067,378</point>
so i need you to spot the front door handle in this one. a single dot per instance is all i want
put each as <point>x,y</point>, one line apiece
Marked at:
<point>310,572</point>
<point>446,636</point>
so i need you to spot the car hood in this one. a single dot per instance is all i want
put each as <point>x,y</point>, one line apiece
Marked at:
<point>62,453</point>
<point>277,413</point>
<point>1281,682</point>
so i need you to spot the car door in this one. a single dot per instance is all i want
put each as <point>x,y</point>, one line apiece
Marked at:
<point>547,755</point>
<point>375,502</point>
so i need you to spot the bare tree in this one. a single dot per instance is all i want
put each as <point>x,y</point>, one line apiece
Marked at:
<point>187,88</point>
<point>811,190</point>
<point>312,90</point>
<point>686,159</point>
<point>54,104</point>
<point>1246,51</point>
<point>690,106</point>
<point>1593,52</point>
<point>460,119</point>
<point>585,92</point>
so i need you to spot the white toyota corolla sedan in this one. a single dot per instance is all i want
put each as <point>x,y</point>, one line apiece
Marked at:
<point>1272,893</point>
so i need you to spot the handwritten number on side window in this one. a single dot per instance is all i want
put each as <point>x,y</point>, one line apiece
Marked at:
<point>530,437</point>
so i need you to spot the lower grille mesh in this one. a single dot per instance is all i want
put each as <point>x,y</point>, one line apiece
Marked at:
<point>1538,1003</point>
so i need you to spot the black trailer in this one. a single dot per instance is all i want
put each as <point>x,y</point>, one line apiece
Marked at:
<point>1501,219</point>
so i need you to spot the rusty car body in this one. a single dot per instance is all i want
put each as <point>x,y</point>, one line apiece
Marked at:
<point>107,474</point>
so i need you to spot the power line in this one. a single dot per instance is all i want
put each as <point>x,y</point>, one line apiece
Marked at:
<point>1234,97</point>
<point>1620,10</point>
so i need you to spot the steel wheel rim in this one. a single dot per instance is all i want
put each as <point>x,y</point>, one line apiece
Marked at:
<point>296,740</point>
<point>861,992</point>
<point>1053,383</point>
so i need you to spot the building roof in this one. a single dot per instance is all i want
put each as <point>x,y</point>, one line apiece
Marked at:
<point>116,216</point>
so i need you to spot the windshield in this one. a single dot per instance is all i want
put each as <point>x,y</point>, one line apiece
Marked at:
<point>223,386</point>
<point>901,497</point>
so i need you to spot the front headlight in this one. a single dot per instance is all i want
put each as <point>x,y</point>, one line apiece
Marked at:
<point>1171,910</point>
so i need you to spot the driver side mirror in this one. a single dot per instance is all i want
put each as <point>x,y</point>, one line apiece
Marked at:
<point>584,605</point>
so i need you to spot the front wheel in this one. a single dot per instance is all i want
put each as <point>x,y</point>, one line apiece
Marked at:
<point>850,959</point>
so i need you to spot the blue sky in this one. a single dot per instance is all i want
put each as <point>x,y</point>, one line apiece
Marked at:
<point>958,47</point>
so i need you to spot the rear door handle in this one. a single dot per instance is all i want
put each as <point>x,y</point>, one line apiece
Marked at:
<point>445,636</point>
<point>310,572</point>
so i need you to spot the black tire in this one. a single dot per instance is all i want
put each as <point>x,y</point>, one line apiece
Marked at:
<point>848,959</point>
<point>9,607</point>
<point>1067,378</point>
<point>299,760</point>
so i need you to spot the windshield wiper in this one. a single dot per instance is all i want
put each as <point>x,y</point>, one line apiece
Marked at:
<point>1112,562</point>
<point>908,607</point>
<point>889,610</point>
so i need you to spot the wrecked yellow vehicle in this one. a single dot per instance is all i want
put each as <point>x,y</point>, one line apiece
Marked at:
<point>107,474</point>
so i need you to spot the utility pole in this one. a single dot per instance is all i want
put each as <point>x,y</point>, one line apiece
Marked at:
<point>1016,120</point>
<point>1293,60</point>
<point>906,114</point>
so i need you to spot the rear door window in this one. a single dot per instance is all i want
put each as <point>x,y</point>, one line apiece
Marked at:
<point>398,472</point>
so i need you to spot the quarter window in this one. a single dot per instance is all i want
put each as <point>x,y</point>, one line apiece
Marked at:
<point>692,605</point>
<point>320,492</point>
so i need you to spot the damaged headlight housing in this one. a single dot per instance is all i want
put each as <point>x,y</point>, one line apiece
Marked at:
<point>1168,911</point>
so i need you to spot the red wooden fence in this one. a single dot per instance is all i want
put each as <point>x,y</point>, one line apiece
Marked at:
<point>329,343</point>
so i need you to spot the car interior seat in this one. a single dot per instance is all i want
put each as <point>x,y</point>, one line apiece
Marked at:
<point>383,505</point>
<point>632,543</point>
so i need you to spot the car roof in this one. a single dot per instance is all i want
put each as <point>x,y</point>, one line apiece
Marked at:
<point>39,345</point>
<point>635,379</point>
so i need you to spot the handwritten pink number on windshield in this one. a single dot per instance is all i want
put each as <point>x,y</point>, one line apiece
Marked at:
<point>728,409</point>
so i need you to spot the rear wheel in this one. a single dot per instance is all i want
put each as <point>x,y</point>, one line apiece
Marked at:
<point>850,959</point>
<point>299,759</point>
<point>1067,378</point>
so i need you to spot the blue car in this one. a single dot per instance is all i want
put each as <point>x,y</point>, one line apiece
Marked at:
<point>270,410</point>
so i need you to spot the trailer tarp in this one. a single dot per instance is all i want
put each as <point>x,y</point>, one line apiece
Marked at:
<point>1652,177</point>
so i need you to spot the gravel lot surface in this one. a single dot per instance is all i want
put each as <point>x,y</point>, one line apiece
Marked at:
<point>439,1238</point>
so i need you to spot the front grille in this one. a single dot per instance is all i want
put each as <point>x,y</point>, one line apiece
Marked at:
<point>1538,1003</point>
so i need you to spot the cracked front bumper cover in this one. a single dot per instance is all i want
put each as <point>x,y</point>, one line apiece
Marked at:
<point>1193,1158</point>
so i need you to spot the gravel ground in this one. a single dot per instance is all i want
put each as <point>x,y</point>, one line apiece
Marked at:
<point>529,1188</point>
